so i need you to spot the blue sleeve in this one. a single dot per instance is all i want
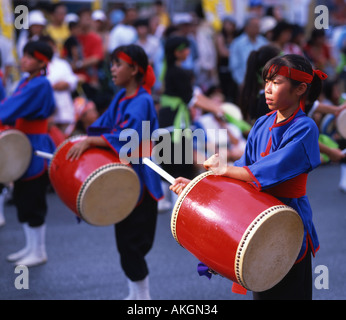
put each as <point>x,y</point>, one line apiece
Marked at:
<point>32,101</point>
<point>297,153</point>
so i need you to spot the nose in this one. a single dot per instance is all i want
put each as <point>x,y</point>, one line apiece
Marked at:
<point>268,87</point>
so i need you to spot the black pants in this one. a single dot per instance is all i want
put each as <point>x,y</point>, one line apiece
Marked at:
<point>296,285</point>
<point>30,200</point>
<point>135,237</point>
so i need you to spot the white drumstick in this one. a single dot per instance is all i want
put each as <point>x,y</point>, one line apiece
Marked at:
<point>159,170</point>
<point>43,154</point>
<point>344,151</point>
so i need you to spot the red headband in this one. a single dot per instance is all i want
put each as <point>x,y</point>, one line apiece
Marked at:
<point>40,56</point>
<point>149,76</point>
<point>123,56</point>
<point>298,75</point>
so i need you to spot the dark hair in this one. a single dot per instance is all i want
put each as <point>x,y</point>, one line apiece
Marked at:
<point>252,84</point>
<point>296,62</point>
<point>38,46</point>
<point>280,28</point>
<point>136,53</point>
<point>173,43</point>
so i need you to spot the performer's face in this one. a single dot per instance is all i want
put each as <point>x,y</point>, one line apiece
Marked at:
<point>30,64</point>
<point>280,95</point>
<point>122,72</point>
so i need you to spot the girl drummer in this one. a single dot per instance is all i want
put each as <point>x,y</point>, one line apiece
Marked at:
<point>282,148</point>
<point>131,107</point>
<point>28,109</point>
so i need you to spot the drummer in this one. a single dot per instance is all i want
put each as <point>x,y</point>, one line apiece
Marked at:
<point>27,110</point>
<point>282,148</point>
<point>132,106</point>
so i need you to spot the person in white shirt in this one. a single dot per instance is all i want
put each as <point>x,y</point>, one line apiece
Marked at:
<point>64,81</point>
<point>124,33</point>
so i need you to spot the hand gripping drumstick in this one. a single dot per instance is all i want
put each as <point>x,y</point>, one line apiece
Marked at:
<point>159,170</point>
<point>146,161</point>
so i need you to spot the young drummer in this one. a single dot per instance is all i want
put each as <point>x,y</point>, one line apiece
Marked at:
<point>27,109</point>
<point>131,108</point>
<point>282,149</point>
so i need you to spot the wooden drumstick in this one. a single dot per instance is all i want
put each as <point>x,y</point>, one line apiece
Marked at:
<point>43,154</point>
<point>159,170</point>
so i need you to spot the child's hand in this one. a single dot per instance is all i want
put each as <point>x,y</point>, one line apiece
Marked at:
<point>216,165</point>
<point>179,185</point>
<point>77,150</point>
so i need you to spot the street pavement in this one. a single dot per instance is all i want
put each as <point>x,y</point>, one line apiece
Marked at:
<point>83,263</point>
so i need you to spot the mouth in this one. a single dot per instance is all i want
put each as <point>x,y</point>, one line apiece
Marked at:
<point>269,101</point>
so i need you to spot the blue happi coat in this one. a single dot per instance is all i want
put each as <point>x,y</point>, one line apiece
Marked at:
<point>32,100</point>
<point>123,124</point>
<point>278,152</point>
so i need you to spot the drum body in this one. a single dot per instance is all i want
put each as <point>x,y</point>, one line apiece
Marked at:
<point>98,188</point>
<point>15,154</point>
<point>247,236</point>
<point>341,123</point>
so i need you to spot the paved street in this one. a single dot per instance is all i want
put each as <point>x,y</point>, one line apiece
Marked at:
<point>84,264</point>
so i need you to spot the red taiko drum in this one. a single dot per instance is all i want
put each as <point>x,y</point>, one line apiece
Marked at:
<point>97,187</point>
<point>247,236</point>
<point>15,154</point>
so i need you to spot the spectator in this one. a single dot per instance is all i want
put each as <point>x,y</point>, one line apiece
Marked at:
<point>184,23</point>
<point>319,53</point>
<point>93,55</point>
<point>63,81</point>
<point>242,46</point>
<point>37,26</point>
<point>7,62</point>
<point>58,29</point>
<point>148,42</point>
<point>207,55</point>
<point>124,33</point>
<point>223,40</point>
<point>73,51</point>
<point>101,27</point>
<point>282,34</point>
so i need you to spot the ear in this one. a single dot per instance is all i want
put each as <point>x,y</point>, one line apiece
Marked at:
<point>301,89</point>
<point>134,69</point>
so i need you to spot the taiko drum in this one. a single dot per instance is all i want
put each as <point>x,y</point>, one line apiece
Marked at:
<point>245,235</point>
<point>15,154</point>
<point>97,187</point>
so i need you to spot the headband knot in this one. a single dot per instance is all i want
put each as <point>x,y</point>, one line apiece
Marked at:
<point>320,74</point>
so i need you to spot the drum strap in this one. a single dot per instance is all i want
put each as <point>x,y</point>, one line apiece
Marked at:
<point>293,188</point>
<point>39,126</point>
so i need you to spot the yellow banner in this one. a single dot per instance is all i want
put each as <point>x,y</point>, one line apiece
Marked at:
<point>6,19</point>
<point>215,10</point>
<point>97,5</point>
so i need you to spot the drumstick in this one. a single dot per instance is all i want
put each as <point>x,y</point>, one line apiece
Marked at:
<point>43,154</point>
<point>343,151</point>
<point>159,170</point>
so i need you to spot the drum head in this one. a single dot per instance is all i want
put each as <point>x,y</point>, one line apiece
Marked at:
<point>108,195</point>
<point>15,155</point>
<point>341,123</point>
<point>269,248</point>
